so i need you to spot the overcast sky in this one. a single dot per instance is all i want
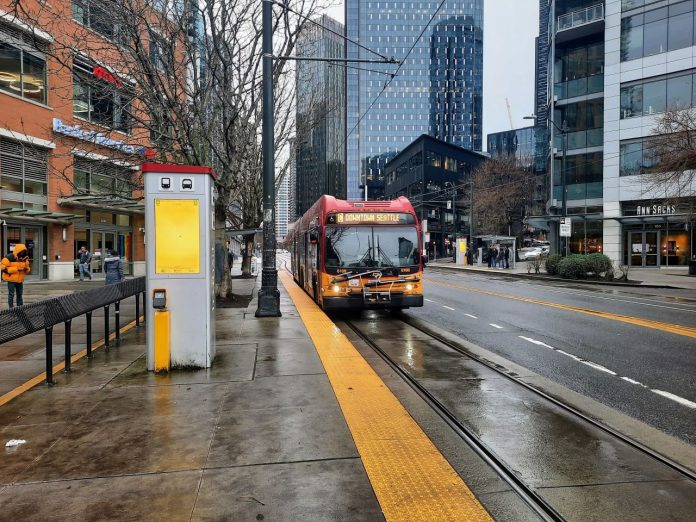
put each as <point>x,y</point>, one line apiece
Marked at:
<point>510,27</point>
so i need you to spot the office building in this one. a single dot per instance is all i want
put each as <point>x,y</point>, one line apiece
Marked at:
<point>320,122</point>
<point>433,174</point>
<point>618,66</point>
<point>282,208</point>
<point>438,90</point>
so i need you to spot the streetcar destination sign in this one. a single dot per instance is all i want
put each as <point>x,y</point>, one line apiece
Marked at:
<point>359,218</point>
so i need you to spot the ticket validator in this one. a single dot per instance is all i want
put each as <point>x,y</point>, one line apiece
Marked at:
<point>180,260</point>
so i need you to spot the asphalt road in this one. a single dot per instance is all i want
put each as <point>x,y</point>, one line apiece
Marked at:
<point>628,356</point>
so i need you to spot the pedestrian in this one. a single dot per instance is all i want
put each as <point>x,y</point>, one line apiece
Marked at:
<point>15,268</point>
<point>469,256</point>
<point>494,256</point>
<point>507,257</point>
<point>230,259</point>
<point>85,260</point>
<point>113,268</point>
<point>489,253</point>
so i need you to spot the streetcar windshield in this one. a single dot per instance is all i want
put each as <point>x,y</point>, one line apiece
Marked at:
<point>373,247</point>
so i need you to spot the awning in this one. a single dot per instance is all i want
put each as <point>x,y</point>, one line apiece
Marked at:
<point>652,220</point>
<point>104,203</point>
<point>38,216</point>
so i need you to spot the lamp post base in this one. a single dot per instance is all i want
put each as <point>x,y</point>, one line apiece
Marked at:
<point>269,299</point>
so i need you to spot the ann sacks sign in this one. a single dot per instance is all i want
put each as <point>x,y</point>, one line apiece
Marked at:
<point>655,210</point>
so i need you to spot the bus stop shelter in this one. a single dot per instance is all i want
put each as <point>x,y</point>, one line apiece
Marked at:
<point>487,242</point>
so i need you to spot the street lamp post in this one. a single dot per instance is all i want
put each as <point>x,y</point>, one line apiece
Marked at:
<point>269,296</point>
<point>563,129</point>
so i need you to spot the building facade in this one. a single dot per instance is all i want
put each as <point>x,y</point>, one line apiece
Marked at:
<point>438,90</point>
<point>530,147</point>
<point>71,136</point>
<point>282,210</point>
<point>433,175</point>
<point>618,66</point>
<point>320,124</point>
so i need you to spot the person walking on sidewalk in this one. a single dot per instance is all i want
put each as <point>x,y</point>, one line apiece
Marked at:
<point>15,268</point>
<point>85,263</point>
<point>113,268</point>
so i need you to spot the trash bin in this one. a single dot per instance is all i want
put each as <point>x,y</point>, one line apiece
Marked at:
<point>692,267</point>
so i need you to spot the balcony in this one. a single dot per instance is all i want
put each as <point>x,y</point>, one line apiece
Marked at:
<point>580,23</point>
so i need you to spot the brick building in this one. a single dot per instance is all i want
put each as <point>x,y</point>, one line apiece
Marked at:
<point>70,148</point>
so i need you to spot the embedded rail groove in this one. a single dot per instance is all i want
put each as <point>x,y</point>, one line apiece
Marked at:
<point>542,508</point>
<point>686,472</point>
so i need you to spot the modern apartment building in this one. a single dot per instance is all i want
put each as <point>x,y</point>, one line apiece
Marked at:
<point>70,148</point>
<point>618,66</point>
<point>320,123</point>
<point>282,210</point>
<point>438,90</point>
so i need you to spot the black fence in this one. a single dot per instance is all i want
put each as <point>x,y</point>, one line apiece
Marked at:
<point>44,315</point>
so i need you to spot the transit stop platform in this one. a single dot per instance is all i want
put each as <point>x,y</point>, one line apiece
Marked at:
<point>297,419</point>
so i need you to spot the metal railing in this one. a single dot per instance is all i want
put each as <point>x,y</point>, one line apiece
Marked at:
<point>580,17</point>
<point>44,315</point>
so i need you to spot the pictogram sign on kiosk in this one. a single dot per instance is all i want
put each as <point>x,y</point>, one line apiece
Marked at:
<point>180,256</point>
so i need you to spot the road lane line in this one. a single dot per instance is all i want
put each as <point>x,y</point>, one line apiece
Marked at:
<point>676,398</point>
<point>496,326</point>
<point>575,357</point>
<point>599,367</point>
<point>529,339</point>
<point>685,331</point>
<point>634,382</point>
<point>429,300</point>
<point>448,307</point>
<point>472,316</point>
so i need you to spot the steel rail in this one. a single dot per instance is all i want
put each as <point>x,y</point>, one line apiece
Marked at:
<point>686,472</point>
<point>542,508</point>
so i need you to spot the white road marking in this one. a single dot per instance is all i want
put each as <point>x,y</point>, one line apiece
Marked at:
<point>448,307</point>
<point>429,300</point>
<point>570,355</point>
<point>676,398</point>
<point>634,382</point>
<point>496,326</point>
<point>472,316</point>
<point>534,341</point>
<point>599,367</point>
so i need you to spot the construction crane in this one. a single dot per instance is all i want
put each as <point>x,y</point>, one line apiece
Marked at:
<point>509,109</point>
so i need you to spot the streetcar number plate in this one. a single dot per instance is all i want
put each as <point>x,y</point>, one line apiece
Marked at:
<point>353,282</point>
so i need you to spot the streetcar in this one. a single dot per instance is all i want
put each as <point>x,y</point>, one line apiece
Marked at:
<point>352,255</point>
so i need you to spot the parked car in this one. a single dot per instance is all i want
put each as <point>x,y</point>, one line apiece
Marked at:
<point>531,253</point>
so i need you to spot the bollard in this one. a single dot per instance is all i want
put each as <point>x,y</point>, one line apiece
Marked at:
<point>49,356</point>
<point>106,326</point>
<point>117,320</point>
<point>68,348</point>
<point>89,335</point>
<point>137,311</point>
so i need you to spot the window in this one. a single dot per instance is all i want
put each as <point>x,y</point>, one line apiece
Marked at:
<point>434,159</point>
<point>102,177</point>
<point>631,101</point>
<point>101,97</point>
<point>654,97</point>
<point>24,170</point>
<point>160,52</point>
<point>679,92</point>
<point>638,157</point>
<point>657,95</point>
<point>22,66</point>
<point>657,31</point>
<point>95,15</point>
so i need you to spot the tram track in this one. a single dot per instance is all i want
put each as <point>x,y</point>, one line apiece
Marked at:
<point>529,493</point>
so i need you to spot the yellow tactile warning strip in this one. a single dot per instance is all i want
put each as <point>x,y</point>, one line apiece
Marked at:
<point>686,331</point>
<point>411,478</point>
<point>19,390</point>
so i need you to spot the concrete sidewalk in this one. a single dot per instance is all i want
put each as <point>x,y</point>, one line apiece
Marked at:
<point>259,436</point>
<point>659,277</point>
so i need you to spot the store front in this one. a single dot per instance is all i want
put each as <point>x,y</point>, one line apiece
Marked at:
<point>657,235</point>
<point>34,238</point>
<point>103,233</point>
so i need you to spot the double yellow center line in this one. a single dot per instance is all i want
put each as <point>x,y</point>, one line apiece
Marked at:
<point>685,331</point>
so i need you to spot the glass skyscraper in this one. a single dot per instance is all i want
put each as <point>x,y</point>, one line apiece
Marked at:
<point>438,90</point>
<point>320,122</point>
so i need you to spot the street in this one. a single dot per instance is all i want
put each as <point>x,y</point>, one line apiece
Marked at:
<point>632,349</point>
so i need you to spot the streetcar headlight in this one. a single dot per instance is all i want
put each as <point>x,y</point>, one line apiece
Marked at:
<point>336,288</point>
<point>409,287</point>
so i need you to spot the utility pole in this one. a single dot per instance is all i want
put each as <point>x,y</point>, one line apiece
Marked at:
<point>269,296</point>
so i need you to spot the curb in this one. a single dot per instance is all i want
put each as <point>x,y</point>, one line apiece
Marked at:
<point>550,279</point>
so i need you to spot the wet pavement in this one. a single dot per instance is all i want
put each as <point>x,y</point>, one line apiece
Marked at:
<point>614,362</point>
<point>582,471</point>
<point>258,436</point>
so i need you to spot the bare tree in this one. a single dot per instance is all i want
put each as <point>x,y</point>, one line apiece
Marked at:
<point>503,190</point>
<point>194,72</point>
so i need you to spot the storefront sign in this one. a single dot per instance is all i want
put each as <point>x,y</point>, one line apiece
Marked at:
<point>100,72</point>
<point>655,210</point>
<point>98,138</point>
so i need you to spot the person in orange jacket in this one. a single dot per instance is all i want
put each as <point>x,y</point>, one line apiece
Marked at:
<point>15,268</point>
